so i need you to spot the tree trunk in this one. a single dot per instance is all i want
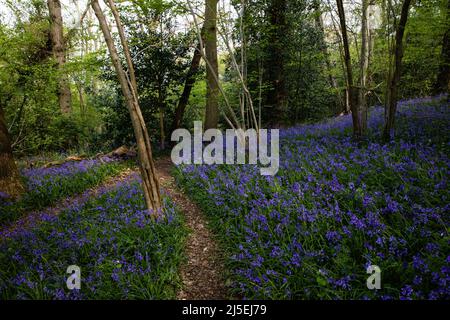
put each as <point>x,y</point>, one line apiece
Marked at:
<point>346,108</point>
<point>443,79</point>
<point>126,49</point>
<point>364,65</point>
<point>212,92</point>
<point>81,98</point>
<point>277,95</point>
<point>59,53</point>
<point>331,79</point>
<point>391,103</point>
<point>10,182</point>
<point>161,105</point>
<point>188,85</point>
<point>352,97</point>
<point>149,179</point>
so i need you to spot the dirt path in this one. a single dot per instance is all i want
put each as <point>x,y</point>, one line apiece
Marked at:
<point>35,217</point>
<point>202,275</point>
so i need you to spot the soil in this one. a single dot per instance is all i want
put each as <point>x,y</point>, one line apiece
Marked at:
<point>202,274</point>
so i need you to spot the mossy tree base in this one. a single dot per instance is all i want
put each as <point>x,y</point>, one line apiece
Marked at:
<point>10,181</point>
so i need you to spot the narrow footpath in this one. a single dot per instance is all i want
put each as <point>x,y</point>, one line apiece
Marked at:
<point>202,274</point>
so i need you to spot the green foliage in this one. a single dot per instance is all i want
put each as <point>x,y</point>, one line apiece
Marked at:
<point>305,75</point>
<point>311,98</point>
<point>195,109</point>
<point>28,85</point>
<point>422,50</point>
<point>425,29</point>
<point>161,57</point>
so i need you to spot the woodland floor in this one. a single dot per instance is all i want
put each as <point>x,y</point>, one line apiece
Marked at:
<point>202,274</point>
<point>33,218</point>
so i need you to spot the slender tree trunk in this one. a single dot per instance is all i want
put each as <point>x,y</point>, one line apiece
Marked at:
<point>188,85</point>
<point>331,79</point>
<point>212,92</point>
<point>364,65</point>
<point>149,179</point>
<point>243,67</point>
<point>81,98</point>
<point>346,108</point>
<point>352,94</point>
<point>59,53</point>
<point>162,130</point>
<point>372,34</point>
<point>126,49</point>
<point>391,103</point>
<point>10,182</point>
<point>443,79</point>
<point>277,95</point>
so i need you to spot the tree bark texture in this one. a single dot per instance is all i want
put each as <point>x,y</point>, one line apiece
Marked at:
<point>59,53</point>
<point>149,178</point>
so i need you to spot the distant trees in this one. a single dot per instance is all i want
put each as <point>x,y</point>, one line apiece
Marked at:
<point>29,79</point>
<point>443,79</point>
<point>289,62</point>
<point>150,181</point>
<point>326,54</point>
<point>357,95</point>
<point>59,53</point>
<point>281,63</point>
<point>188,85</point>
